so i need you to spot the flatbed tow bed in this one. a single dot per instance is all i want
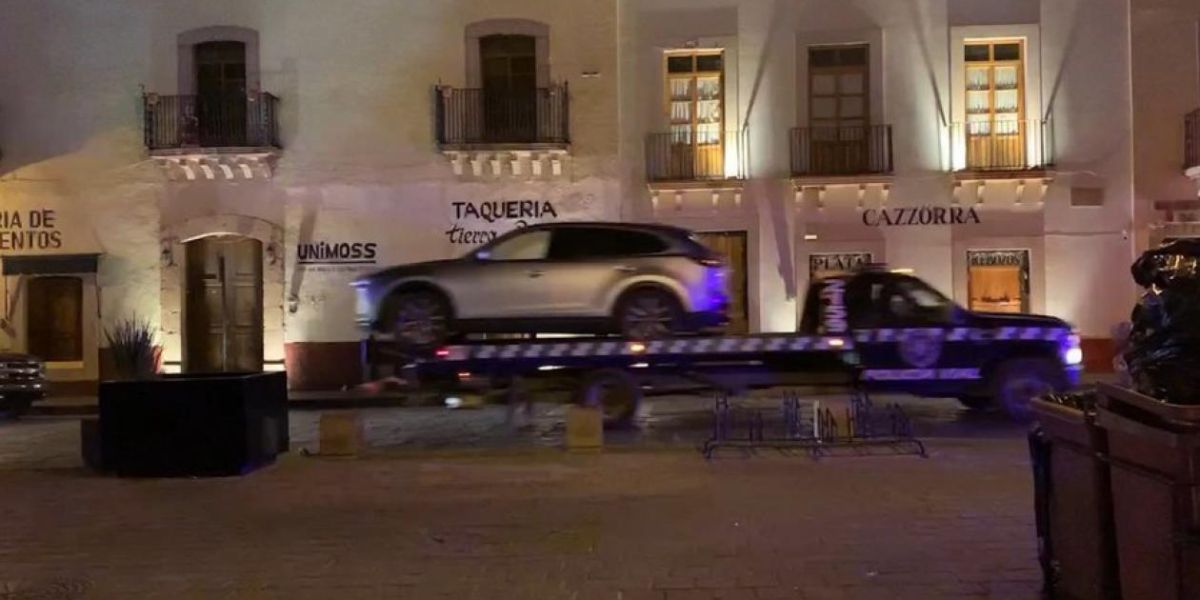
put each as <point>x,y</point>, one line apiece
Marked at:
<point>613,373</point>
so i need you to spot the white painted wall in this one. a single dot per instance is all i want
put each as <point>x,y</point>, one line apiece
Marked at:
<point>355,81</point>
<point>356,119</point>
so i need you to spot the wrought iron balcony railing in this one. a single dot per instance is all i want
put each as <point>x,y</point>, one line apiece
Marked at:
<point>696,154</point>
<point>841,150</point>
<point>480,116</point>
<point>211,121</point>
<point>1002,145</point>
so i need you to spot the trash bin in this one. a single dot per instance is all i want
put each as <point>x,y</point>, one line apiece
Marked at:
<point>1154,451</point>
<point>1075,520</point>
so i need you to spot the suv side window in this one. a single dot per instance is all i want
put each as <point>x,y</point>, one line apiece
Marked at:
<point>523,246</point>
<point>576,243</point>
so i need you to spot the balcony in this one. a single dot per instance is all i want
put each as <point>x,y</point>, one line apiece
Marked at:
<point>1191,144</point>
<point>473,117</point>
<point>510,133</point>
<point>832,154</point>
<point>696,156</point>
<point>212,136</point>
<point>1002,149</point>
<point>219,124</point>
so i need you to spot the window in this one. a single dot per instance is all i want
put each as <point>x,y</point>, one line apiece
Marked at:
<point>910,301</point>
<point>998,280</point>
<point>55,330</point>
<point>837,87</point>
<point>509,66</point>
<point>572,243</point>
<point>995,106</point>
<point>221,93</point>
<point>838,109</point>
<point>695,111</point>
<point>530,245</point>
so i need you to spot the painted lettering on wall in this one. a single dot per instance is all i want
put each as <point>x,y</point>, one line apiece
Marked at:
<point>345,255</point>
<point>34,229</point>
<point>920,215</point>
<point>469,218</point>
<point>833,297</point>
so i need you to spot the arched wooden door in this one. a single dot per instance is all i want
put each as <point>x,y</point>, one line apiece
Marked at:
<point>224,305</point>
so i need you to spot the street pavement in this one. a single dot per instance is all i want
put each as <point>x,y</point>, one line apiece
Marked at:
<point>460,504</point>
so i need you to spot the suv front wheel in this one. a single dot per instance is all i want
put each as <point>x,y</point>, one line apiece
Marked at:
<point>648,313</point>
<point>419,319</point>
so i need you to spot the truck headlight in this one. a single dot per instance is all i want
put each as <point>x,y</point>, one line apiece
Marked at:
<point>1073,351</point>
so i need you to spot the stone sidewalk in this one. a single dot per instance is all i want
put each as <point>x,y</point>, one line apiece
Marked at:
<point>536,524</point>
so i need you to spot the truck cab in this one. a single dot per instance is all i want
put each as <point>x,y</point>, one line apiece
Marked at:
<point>911,338</point>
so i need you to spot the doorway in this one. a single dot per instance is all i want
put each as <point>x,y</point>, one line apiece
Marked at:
<point>221,93</point>
<point>509,67</point>
<point>731,245</point>
<point>55,330</point>
<point>223,305</point>
<point>998,280</point>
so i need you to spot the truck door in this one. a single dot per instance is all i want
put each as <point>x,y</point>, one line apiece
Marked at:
<point>908,336</point>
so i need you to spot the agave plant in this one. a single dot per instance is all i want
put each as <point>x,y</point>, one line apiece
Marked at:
<point>132,344</point>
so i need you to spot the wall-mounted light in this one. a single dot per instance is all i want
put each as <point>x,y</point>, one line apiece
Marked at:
<point>166,253</point>
<point>810,237</point>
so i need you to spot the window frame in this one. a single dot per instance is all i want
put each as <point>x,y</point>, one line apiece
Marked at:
<point>992,137</point>
<point>693,77</point>
<point>837,71</point>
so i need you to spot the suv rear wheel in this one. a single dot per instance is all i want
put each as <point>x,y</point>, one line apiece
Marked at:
<point>647,314</point>
<point>419,319</point>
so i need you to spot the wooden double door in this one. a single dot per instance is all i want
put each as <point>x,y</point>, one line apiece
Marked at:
<point>731,245</point>
<point>224,305</point>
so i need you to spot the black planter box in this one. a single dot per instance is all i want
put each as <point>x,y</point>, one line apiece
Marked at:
<point>215,424</point>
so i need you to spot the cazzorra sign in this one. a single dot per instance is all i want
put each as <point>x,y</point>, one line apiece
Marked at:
<point>920,215</point>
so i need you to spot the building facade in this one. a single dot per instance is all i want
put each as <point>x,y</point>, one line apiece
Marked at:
<point>224,169</point>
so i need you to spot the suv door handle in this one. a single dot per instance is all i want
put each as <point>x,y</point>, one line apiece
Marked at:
<point>536,273</point>
<point>624,268</point>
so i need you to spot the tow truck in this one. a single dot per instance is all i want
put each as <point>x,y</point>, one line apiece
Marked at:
<point>873,330</point>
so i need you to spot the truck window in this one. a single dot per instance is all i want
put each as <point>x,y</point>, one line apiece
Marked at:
<point>910,301</point>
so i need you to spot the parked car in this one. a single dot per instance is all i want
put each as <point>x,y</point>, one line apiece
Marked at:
<point>22,381</point>
<point>642,281</point>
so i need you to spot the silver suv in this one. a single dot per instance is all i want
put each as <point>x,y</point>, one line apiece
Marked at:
<point>642,281</point>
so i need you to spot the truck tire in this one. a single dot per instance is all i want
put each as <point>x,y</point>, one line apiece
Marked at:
<point>1014,383</point>
<point>613,391</point>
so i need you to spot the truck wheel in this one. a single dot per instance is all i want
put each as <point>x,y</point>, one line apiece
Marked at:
<point>614,392</point>
<point>1016,382</point>
<point>419,319</point>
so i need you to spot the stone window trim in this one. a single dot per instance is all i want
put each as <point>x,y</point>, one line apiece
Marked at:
<point>188,40</point>
<point>539,31</point>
